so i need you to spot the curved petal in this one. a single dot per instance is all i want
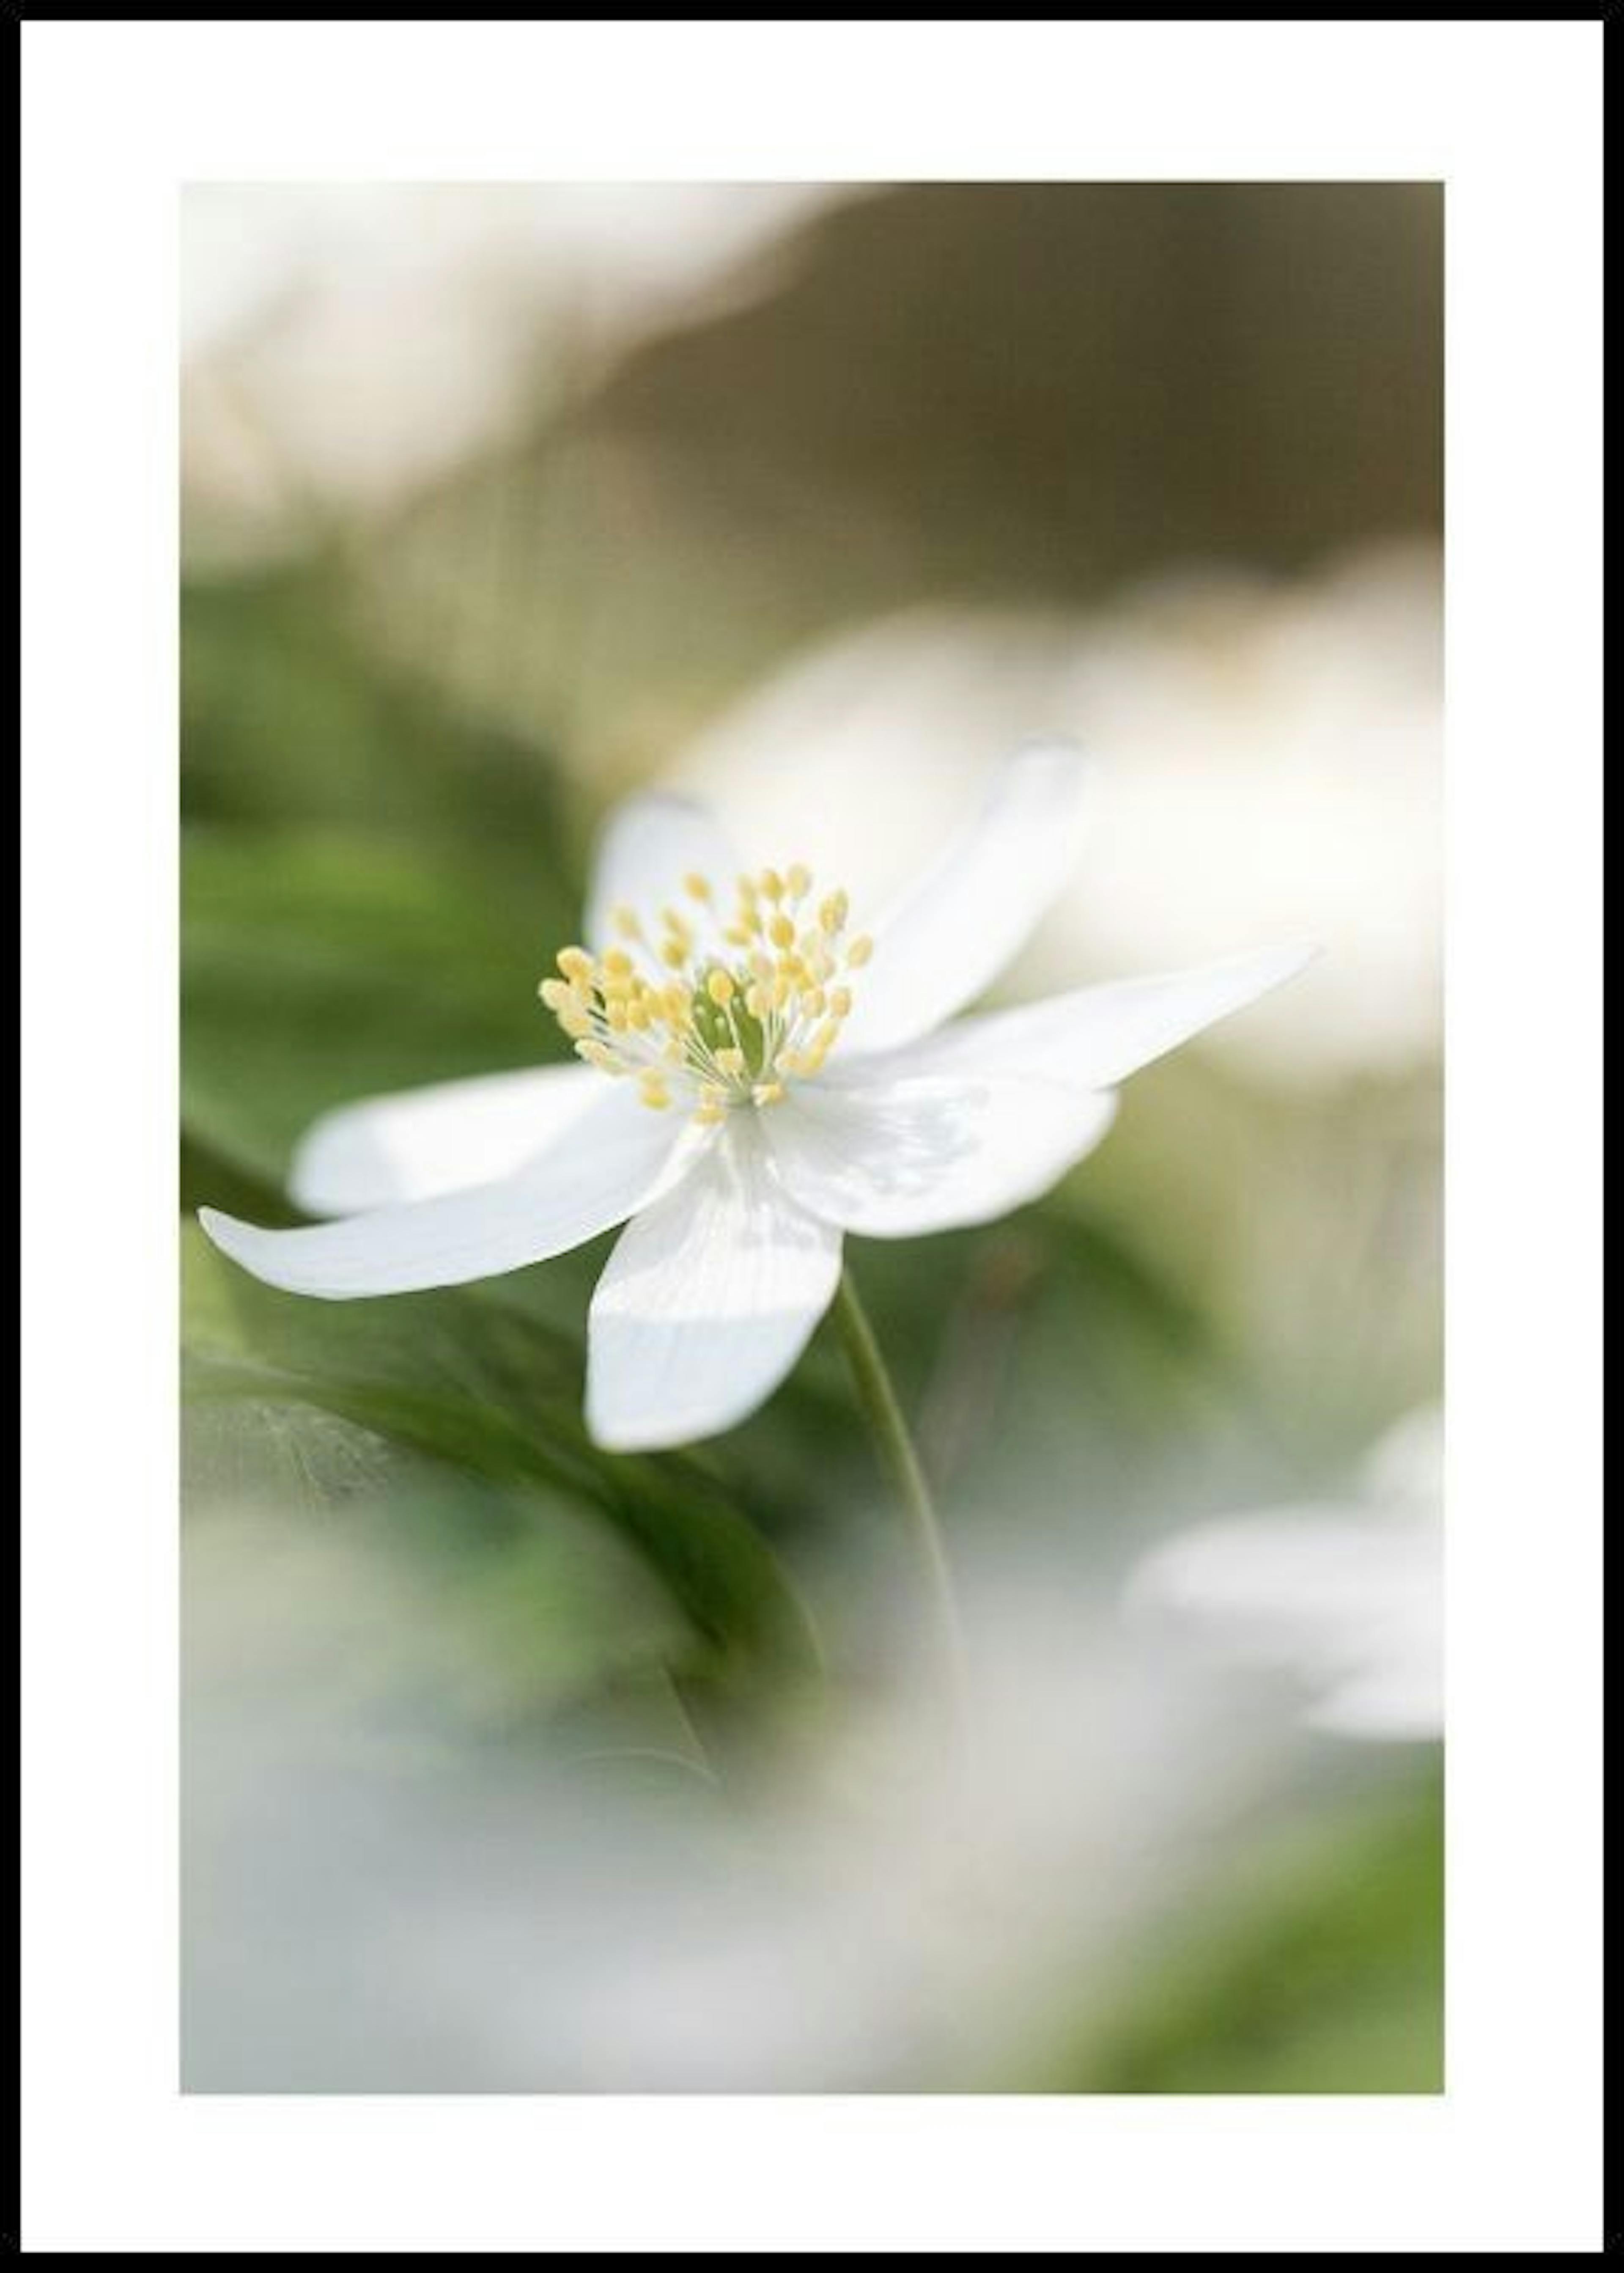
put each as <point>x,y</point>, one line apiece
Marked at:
<point>1346,1600</point>
<point>416,1144</point>
<point>705,1303</point>
<point>948,937</point>
<point>608,1163</point>
<point>651,844</point>
<point>892,1159</point>
<point>1094,1038</point>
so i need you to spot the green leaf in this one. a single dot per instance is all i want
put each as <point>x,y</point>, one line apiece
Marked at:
<point>471,1381</point>
<point>322,968</point>
<point>289,719</point>
<point>1319,1969</point>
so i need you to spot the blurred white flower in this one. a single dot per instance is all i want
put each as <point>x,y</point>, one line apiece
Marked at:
<point>905,1910</point>
<point>1272,755</point>
<point>706,1111</point>
<point>1347,1596</point>
<point>345,342</point>
<point>388,1890</point>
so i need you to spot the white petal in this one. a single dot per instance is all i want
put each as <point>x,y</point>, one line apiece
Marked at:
<point>651,844</point>
<point>948,937</point>
<point>1350,1601</point>
<point>1391,1705</point>
<point>1095,1036</point>
<point>706,1301</point>
<point>594,1175</point>
<point>895,1158</point>
<point>418,1142</point>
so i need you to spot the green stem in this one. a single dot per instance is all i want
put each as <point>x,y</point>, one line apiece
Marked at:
<point>877,1396</point>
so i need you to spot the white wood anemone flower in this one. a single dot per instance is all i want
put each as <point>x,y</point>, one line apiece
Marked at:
<point>1345,1594</point>
<point>757,1080</point>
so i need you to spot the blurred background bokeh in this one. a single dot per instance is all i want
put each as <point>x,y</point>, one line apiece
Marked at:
<point>513,1767</point>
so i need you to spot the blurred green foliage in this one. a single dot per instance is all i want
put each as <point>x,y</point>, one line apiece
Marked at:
<point>1318,1969</point>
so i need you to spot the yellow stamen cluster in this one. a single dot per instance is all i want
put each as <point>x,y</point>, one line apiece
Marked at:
<point>718,1008</point>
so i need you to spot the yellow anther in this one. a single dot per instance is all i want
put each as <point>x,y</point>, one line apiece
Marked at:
<point>709,1116</point>
<point>705,1033</point>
